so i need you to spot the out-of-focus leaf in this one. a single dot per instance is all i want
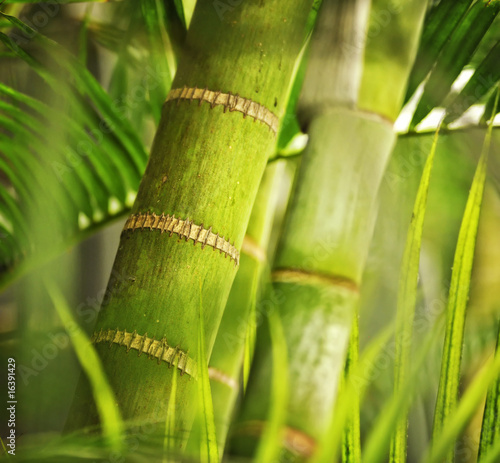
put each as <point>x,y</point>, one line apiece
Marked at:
<point>480,84</point>
<point>270,443</point>
<point>209,449</point>
<point>440,23</point>
<point>107,408</point>
<point>458,297</point>
<point>490,430</point>
<point>407,299</point>
<point>84,82</point>
<point>161,53</point>
<point>455,55</point>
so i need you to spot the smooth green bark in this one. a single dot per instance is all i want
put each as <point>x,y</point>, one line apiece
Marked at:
<point>206,164</point>
<point>324,246</point>
<point>225,366</point>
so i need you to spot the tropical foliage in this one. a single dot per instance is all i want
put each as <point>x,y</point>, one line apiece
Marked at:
<point>343,159</point>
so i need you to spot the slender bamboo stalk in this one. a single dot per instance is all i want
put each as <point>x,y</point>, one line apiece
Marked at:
<point>323,249</point>
<point>217,130</point>
<point>239,318</point>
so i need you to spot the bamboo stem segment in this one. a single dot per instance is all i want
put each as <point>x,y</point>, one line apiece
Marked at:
<point>205,165</point>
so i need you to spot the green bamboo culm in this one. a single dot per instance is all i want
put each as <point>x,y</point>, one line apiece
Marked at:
<point>217,130</point>
<point>316,271</point>
<point>324,245</point>
<point>238,321</point>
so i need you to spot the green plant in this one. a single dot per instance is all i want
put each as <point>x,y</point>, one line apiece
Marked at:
<point>228,88</point>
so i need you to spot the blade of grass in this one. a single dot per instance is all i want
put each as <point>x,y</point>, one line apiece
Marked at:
<point>376,448</point>
<point>490,430</point>
<point>270,443</point>
<point>354,390</point>
<point>407,298</point>
<point>169,441</point>
<point>351,442</point>
<point>111,421</point>
<point>209,451</point>
<point>458,296</point>
<point>467,406</point>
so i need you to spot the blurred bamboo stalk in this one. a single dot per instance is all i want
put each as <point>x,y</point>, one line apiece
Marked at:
<point>323,249</point>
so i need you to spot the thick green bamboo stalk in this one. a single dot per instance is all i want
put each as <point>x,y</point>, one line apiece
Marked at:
<point>181,245</point>
<point>321,256</point>
<point>239,318</point>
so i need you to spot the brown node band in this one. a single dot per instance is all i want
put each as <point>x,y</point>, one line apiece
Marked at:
<point>184,229</point>
<point>153,348</point>
<point>232,102</point>
<point>295,440</point>
<point>219,376</point>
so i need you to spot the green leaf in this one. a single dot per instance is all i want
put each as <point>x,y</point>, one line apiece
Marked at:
<point>378,441</point>
<point>109,414</point>
<point>468,405</point>
<point>458,297</point>
<point>407,299</point>
<point>84,82</point>
<point>438,26</point>
<point>209,450</point>
<point>353,391</point>
<point>153,12</point>
<point>480,84</point>
<point>270,443</point>
<point>455,55</point>
<point>351,442</point>
<point>170,441</point>
<point>490,430</point>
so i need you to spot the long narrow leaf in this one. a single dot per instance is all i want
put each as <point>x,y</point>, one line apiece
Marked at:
<point>270,444</point>
<point>105,401</point>
<point>209,448</point>
<point>456,55</point>
<point>458,297</point>
<point>467,406</point>
<point>351,445</point>
<point>407,298</point>
<point>490,430</point>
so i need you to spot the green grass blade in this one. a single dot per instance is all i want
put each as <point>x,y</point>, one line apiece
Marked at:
<point>251,334</point>
<point>458,296</point>
<point>170,441</point>
<point>353,391</point>
<point>407,298</point>
<point>111,422</point>
<point>377,445</point>
<point>490,430</point>
<point>270,443</point>
<point>351,440</point>
<point>208,447</point>
<point>467,406</point>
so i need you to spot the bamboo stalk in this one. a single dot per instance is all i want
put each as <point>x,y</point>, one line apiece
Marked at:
<point>239,318</point>
<point>323,249</point>
<point>216,132</point>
